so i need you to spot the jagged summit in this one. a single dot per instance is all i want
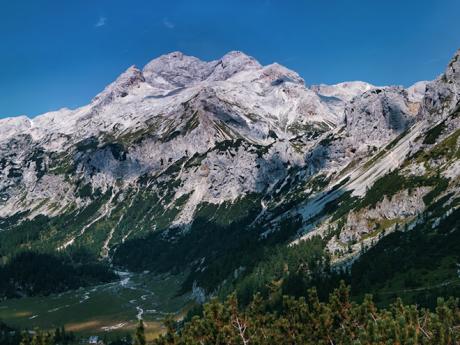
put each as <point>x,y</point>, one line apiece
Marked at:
<point>121,87</point>
<point>443,93</point>
<point>176,70</point>
<point>278,74</point>
<point>232,63</point>
<point>273,90</point>
<point>265,98</point>
<point>453,68</point>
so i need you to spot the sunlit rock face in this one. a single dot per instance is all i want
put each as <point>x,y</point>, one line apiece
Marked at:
<point>181,133</point>
<point>442,94</point>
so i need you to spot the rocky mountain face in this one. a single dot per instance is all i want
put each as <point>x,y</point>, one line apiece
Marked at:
<point>177,108</point>
<point>443,94</point>
<point>183,141</point>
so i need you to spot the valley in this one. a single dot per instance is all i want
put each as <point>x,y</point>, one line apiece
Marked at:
<point>110,309</point>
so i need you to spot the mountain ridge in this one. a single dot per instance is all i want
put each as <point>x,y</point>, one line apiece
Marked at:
<point>184,146</point>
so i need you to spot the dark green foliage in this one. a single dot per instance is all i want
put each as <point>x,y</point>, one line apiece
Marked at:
<point>220,247</point>
<point>14,172</point>
<point>283,269</point>
<point>388,185</point>
<point>341,205</point>
<point>118,151</point>
<point>395,141</point>
<point>38,156</point>
<point>392,183</point>
<point>308,321</point>
<point>39,337</point>
<point>434,133</point>
<point>417,265</point>
<point>292,190</point>
<point>121,341</point>
<point>447,149</point>
<point>8,335</point>
<point>440,185</point>
<point>31,273</point>
<point>139,337</point>
<point>8,223</point>
<point>85,191</point>
<point>89,144</point>
<point>218,242</point>
<point>25,232</point>
<point>46,233</point>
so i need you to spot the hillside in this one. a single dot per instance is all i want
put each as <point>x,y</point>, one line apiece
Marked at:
<point>211,168</point>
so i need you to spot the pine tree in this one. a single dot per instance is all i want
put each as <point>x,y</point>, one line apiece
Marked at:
<point>139,338</point>
<point>313,322</point>
<point>25,338</point>
<point>38,338</point>
<point>57,335</point>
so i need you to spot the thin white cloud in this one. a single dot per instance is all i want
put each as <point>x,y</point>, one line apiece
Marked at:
<point>101,22</point>
<point>168,24</point>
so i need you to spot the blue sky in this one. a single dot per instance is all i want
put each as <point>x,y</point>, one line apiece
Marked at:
<point>56,53</point>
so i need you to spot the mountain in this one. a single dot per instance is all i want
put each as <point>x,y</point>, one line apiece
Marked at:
<point>195,166</point>
<point>176,109</point>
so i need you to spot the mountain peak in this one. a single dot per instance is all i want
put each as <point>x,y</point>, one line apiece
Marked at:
<point>129,79</point>
<point>175,55</point>
<point>131,74</point>
<point>176,70</point>
<point>453,68</point>
<point>232,63</point>
<point>442,94</point>
<point>280,74</point>
<point>237,55</point>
